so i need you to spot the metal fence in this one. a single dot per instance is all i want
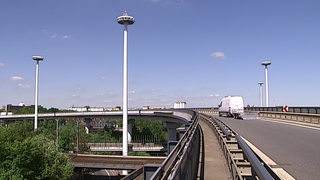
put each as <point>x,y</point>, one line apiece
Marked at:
<point>306,110</point>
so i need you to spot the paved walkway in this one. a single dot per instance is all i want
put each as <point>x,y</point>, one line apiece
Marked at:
<point>215,162</point>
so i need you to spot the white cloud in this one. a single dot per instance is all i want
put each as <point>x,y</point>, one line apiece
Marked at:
<point>23,85</point>
<point>45,31</point>
<point>16,78</point>
<point>218,54</point>
<point>53,36</point>
<point>66,37</point>
<point>214,95</point>
<point>1,64</point>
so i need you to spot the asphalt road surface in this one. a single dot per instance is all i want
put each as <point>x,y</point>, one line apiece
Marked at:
<point>295,149</point>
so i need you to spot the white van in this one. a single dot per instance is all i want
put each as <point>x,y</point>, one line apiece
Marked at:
<point>231,106</point>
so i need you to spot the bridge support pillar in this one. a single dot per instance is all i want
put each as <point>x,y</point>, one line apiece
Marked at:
<point>172,130</point>
<point>87,122</point>
<point>130,124</point>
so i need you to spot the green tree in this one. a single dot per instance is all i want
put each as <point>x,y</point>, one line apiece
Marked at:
<point>25,154</point>
<point>67,136</point>
<point>48,128</point>
<point>53,110</point>
<point>34,158</point>
<point>153,130</point>
<point>17,131</point>
<point>24,110</point>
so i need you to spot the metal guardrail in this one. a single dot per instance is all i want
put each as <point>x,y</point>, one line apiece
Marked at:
<point>202,157</point>
<point>306,110</point>
<point>182,162</point>
<point>242,162</point>
<point>224,129</point>
<point>253,159</point>
<point>173,166</point>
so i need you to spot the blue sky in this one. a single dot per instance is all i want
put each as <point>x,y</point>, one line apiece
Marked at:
<point>179,50</point>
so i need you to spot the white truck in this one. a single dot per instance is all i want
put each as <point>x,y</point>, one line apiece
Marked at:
<point>231,106</point>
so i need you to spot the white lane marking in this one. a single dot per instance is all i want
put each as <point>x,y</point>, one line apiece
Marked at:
<point>292,124</point>
<point>280,172</point>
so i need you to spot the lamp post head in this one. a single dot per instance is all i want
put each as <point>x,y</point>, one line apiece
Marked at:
<point>260,83</point>
<point>266,63</point>
<point>125,19</point>
<point>37,58</point>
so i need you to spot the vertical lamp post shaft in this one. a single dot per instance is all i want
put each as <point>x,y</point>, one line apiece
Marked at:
<point>125,91</point>
<point>267,87</point>
<point>125,20</point>
<point>260,88</point>
<point>36,98</point>
<point>266,64</point>
<point>37,59</point>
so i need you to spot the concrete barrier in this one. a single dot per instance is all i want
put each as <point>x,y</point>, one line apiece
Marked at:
<point>312,119</point>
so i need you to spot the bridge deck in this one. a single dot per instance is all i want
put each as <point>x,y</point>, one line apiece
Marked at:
<point>215,163</point>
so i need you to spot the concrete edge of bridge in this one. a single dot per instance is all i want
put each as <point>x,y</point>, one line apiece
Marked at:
<point>294,123</point>
<point>279,171</point>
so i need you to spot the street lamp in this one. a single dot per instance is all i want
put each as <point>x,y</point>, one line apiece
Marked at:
<point>260,88</point>
<point>36,58</point>
<point>266,64</point>
<point>125,20</point>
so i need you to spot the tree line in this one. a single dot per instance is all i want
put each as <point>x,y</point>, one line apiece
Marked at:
<point>26,154</point>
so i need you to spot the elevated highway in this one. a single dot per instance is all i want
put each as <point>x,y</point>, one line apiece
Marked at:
<point>294,148</point>
<point>167,116</point>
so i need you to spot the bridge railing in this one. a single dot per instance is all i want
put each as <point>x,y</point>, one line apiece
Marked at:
<point>305,110</point>
<point>182,159</point>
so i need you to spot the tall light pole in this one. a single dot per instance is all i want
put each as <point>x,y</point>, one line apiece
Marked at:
<point>37,59</point>
<point>125,20</point>
<point>260,88</point>
<point>266,64</point>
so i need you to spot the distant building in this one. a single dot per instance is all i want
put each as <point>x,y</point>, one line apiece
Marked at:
<point>179,105</point>
<point>10,107</point>
<point>152,107</point>
<point>79,109</point>
<point>93,109</point>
